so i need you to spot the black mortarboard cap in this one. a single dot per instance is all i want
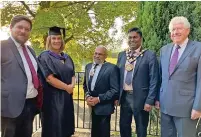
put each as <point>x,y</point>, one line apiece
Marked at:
<point>56,31</point>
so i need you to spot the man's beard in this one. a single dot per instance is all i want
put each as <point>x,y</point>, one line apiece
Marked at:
<point>98,61</point>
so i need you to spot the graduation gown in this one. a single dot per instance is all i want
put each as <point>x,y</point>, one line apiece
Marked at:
<point>58,110</point>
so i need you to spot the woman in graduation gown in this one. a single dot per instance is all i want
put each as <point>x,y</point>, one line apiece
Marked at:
<point>59,75</point>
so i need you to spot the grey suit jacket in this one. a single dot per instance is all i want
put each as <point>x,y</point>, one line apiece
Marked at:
<point>13,80</point>
<point>106,88</point>
<point>145,78</point>
<point>180,92</point>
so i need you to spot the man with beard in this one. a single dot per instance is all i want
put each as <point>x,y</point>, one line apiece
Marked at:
<point>101,86</point>
<point>139,82</point>
<point>19,81</point>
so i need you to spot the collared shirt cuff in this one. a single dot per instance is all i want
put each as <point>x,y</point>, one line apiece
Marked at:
<point>98,100</point>
<point>87,97</point>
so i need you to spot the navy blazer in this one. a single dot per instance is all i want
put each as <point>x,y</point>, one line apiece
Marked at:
<point>145,78</point>
<point>106,88</point>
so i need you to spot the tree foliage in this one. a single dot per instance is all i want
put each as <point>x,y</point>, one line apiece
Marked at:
<point>86,22</point>
<point>10,9</point>
<point>154,17</point>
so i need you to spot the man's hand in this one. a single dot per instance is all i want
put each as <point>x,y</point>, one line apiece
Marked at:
<point>116,102</point>
<point>195,114</point>
<point>157,105</point>
<point>89,103</point>
<point>94,100</point>
<point>147,107</point>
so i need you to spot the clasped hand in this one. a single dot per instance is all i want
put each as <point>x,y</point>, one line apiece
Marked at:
<point>70,88</point>
<point>92,101</point>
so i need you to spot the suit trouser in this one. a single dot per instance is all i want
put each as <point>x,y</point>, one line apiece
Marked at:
<point>100,125</point>
<point>126,114</point>
<point>172,126</point>
<point>21,126</point>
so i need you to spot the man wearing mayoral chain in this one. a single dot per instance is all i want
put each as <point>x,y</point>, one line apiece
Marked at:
<point>139,82</point>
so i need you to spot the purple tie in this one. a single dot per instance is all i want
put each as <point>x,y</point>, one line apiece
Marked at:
<point>35,79</point>
<point>174,59</point>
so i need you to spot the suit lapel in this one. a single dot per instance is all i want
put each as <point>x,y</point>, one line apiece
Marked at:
<point>88,71</point>
<point>122,68</point>
<point>100,74</point>
<point>87,75</point>
<point>32,52</point>
<point>16,54</point>
<point>187,50</point>
<point>167,59</point>
<point>138,61</point>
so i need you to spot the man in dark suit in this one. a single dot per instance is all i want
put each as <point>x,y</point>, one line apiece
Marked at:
<point>180,92</point>
<point>19,81</point>
<point>101,86</point>
<point>139,80</point>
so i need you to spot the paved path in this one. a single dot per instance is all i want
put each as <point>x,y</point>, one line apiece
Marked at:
<point>78,133</point>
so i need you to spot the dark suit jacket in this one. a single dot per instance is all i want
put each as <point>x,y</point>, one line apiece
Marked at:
<point>145,78</point>
<point>106,88</point>
<point>13,80</point>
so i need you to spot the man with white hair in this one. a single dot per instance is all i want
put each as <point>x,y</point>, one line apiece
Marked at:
<point>180,92</point>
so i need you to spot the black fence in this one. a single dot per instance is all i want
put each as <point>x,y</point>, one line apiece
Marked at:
<point>82,112</point>
<point>83,117</point>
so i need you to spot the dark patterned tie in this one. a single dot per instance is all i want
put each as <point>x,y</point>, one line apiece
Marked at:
<point>91,77</point>
<point>174,60</point>
<point>35,79</point>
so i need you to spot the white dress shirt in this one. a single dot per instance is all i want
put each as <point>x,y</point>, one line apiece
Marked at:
<point>31,91</point>
<point>93,82</point>
<point>181,49</point>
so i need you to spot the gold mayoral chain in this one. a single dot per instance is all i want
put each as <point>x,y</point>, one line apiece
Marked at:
<point>131,59</point>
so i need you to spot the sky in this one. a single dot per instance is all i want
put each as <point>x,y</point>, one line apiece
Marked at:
<point>4,33</point>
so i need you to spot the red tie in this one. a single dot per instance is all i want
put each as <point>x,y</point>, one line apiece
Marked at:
<point>31,67</point>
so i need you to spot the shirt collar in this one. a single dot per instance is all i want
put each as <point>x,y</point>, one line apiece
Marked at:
<point>18,45</point>
<point>183,45</point>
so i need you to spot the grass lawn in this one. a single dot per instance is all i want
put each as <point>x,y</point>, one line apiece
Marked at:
<point>112,60</point>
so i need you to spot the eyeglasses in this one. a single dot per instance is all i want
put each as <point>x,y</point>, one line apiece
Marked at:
<point>177,29</point>
<point>99,54</point>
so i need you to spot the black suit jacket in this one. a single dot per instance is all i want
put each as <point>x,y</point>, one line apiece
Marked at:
<point>106,88</point>
<point>145,78</point>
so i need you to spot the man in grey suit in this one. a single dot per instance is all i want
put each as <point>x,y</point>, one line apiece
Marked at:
<point>180,92</point>
<point>139,82</point>
<point>101,86</point>
<point>19,81</point>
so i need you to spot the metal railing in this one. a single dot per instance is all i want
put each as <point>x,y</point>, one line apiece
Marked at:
<point>82,116</point>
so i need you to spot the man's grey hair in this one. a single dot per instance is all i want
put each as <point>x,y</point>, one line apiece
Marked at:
<point>177,20</point>
<point>101,46</point>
